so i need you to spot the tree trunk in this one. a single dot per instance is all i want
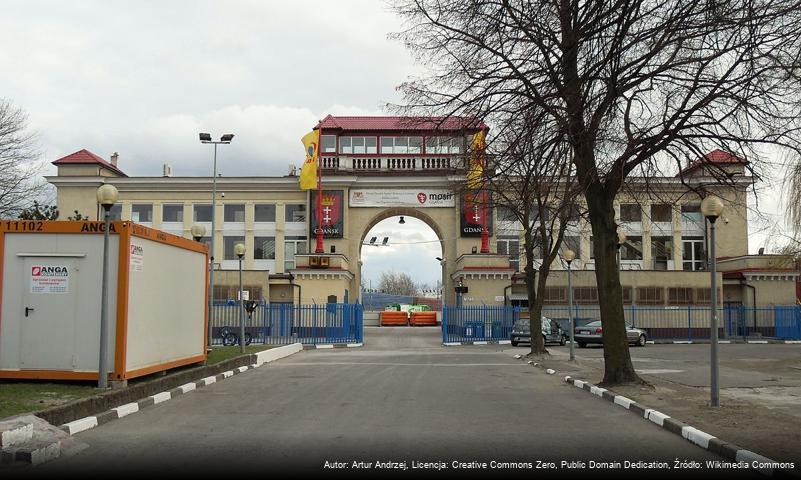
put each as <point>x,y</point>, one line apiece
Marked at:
<point>534,313</point>
<point>618,368</point>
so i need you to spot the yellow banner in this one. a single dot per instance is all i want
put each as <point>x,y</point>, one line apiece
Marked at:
<point>308,173</point>
<point>475,174</point>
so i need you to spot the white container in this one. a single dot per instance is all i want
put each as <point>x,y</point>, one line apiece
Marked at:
<point>50,286</point>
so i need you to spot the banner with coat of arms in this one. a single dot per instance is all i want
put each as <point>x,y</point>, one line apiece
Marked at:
<point>332,214</point>
<point>472,209</point>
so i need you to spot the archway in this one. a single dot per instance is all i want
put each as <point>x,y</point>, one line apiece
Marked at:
<point>410,250</point>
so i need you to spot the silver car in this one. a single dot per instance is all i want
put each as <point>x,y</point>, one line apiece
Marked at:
<point>593,333</point>
<point>551,332</point>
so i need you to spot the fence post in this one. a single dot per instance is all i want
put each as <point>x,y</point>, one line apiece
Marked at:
<point>690,323</point>
<point>444,324</point>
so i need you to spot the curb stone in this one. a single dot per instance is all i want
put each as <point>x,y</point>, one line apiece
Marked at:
<point>86,423</point>
<point>332,345</point>
<point>478,342</point>
<point>698,437</point>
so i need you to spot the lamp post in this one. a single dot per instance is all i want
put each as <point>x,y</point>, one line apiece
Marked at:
<point>224,140</point>
<point>107,196</point>
<point>621,239</point>
<point>711,208</point>
<point>239,249</point>
<point>569,256</point>
<point>198,232</point>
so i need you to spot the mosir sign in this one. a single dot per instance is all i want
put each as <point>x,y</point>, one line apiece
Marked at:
<point>422,198</point>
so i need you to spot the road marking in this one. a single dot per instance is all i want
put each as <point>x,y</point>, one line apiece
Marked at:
<point>696,436</point>
<point>757,341</point>
<point>299,364</point>
<point>127,409</point>
<point>656,371</point>
<point>161,397</point>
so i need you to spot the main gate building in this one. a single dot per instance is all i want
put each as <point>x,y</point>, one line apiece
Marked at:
<point>374,168</point>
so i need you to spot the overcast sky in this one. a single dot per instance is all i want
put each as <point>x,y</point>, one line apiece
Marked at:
<point>143,78</point>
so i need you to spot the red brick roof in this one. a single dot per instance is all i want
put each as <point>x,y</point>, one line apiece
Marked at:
<point>85,157</point>
<point>716,156</point>
<point>331,122</point>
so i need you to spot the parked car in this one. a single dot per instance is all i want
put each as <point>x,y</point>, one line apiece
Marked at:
<point>551,332</point>
<point>593,333</point>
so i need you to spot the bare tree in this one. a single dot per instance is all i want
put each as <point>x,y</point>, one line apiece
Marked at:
<point>635,87</point>
<point>39,211</point>
<point>18,154</point>
<point>530,177</point>
<point>397,283</point>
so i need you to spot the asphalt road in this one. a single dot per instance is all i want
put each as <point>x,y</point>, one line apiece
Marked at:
<point>403,397</point>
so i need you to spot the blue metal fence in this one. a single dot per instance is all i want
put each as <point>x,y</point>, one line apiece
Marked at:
<point>281,323</point>
<point>478,323</point>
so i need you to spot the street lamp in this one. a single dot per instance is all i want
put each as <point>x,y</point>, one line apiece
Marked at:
<point>711,208</point>
<point>569,256</point>
<point>107,196</point>
<point>621,239</point>
<point>224,140</point>
<point>239,249</point>
<point>198,232</point>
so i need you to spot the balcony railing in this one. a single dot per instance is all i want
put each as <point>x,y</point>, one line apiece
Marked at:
<point>392,164</point>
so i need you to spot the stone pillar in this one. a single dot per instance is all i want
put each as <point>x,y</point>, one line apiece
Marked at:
<point>280,229</point>
<point>678,246</point>
<point>250,213</point>
<point>647,260</point>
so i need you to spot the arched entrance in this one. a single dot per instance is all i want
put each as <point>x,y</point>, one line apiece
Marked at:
<point>364,219</point>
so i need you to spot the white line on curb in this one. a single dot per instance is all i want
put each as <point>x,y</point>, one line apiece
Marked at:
<point>757,341</point>
<point>597,391</point>
<point>209,380</point>
<point>550,371</point>
<point>696,436</point>
<point>80,425</point>
<point>242,369</point>
<point>623,401</point>
<point>657,417</point>
<point>188,387</point>
<point>579,383</point>
<point>127,409</point>
<point>161,397</point>
<point>229,373</point>
<point>325,346</point>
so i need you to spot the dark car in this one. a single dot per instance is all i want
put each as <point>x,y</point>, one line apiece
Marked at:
<point>593,333</point>
<point>551,332</point>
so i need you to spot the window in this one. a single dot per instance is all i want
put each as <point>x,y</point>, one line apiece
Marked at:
<point>401,145</point>
<point>172,213</point>
<point>292,246</point>
<point>235,213</point>
<point>703,294</point>
<point>264,213</point>
<point>510,246</point>
<point>585,294</point>
<point>228,247</point>
<point>141,212</point>
<point>632,249</point>
<point>115,213</point>
<point>505,214</point>
<point>693,256</point>
<point>555,295</point>
<point>441,145</point>
<point>661,213</point>
<point>627,295</point>
<point>357,145</point>
<point>264,248</point>
<point>680,296</point>
<point>691,213</point>
<point>329,144</point>
<point>207,242</point>
<point>295,212</point>
<point>650,295</point>
<point>572,243</point>
<point>202,213</point>
<point>224,293</point>
<point>630,212</point>
<point>661,251</point>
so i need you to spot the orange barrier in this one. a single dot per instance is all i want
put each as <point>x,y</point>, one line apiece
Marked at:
<point>424,319</point>
<point>394,318</point>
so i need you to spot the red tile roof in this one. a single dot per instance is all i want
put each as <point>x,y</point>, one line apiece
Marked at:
<point>85,157</point>
<point>716,156</point>
<point>400,123</point>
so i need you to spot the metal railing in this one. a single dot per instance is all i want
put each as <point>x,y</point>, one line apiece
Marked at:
<point>478,323</point>
<point>691,322</point>
<point>281,324</point>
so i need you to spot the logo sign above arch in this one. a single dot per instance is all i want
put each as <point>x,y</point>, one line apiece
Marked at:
<point>402,197</point>
<point>332,214</point>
